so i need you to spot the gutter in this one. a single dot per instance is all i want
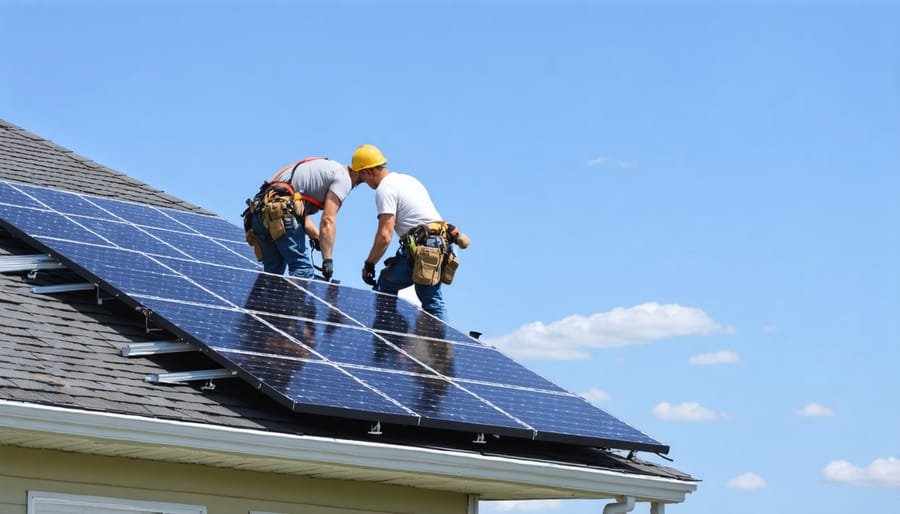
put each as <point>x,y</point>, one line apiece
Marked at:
<point>475,471</point>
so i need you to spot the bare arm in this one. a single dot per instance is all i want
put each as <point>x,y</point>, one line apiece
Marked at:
<point>382,237</point>
<point>327,225</point>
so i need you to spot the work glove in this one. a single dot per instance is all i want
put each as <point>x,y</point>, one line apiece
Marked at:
<point>314,243</point>
<point>368,273</point>
<point>327,268</point>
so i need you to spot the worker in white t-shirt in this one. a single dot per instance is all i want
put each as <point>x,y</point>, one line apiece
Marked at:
<point>405,208</point>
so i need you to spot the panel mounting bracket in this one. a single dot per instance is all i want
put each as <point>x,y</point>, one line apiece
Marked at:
<point>156,348</point>
<point>189,376</point>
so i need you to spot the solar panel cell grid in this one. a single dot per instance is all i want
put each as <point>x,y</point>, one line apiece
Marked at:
<point>313,346</point>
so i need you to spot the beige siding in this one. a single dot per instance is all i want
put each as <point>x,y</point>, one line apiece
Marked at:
<point>222,491</point>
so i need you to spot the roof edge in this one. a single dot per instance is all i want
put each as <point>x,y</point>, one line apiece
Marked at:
<point>469,472</point>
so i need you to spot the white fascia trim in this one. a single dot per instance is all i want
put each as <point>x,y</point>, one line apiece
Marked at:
<point>356,454</point>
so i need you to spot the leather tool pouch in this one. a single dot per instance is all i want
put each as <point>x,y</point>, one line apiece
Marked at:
<point>451,262</point>
<point>427,266</point>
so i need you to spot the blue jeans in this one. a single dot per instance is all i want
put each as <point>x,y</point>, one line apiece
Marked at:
<point>288,251</point>
<point>398,275</point>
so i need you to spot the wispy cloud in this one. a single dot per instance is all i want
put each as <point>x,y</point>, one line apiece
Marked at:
<point>595,395</point>
<point>596,161</point>
<point>570,338</point>
<point>748,481</point>
<point>720,357</point>
<point>686,411</point>
<point>521,506</point>
<point>626,165</point>
<point>814,410</point>
<point>769,328</point>
<point>880,473</point>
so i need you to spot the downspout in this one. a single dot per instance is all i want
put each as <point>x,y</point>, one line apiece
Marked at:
<point>657,508</point>
<point>623,505</point>
<point>472,504</point>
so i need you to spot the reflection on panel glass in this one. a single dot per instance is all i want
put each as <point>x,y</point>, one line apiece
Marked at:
<point>222,329</point>
<point>437,400</point>
<point>314,384</point>
<point>470,362</point>
<point>554,415</point>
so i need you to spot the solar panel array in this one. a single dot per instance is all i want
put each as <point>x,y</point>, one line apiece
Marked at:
<point>316,347</point>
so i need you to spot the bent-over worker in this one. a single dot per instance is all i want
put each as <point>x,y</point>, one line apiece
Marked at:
<point>278,218</point>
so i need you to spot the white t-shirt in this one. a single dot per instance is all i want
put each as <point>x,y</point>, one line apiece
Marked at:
<point>405,198</point>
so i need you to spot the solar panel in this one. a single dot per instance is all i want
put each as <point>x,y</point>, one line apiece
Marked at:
<point>313,346</point>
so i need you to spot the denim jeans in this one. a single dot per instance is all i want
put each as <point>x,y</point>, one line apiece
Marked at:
<point>288,251</point>
<point>398,275</point>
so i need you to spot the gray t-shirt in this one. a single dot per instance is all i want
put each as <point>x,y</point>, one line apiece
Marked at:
<point>316,178</point>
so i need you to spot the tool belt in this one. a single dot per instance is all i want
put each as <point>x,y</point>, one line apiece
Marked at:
<point>279,207</point>
<point>430,249</point>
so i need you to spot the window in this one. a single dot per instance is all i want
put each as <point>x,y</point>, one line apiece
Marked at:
<point>40,502</point>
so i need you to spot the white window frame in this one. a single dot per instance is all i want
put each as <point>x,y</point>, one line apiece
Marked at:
<point>37,499</point>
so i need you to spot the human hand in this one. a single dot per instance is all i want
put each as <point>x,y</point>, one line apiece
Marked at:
<point>368,273</point>
<point>328,268</point>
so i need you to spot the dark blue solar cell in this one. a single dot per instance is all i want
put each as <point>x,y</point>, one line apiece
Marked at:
<point>469,362</point>
<point>125,235</point>
<point>144,215</point>
<point>204,249</point>
<point>9,195</point>
<point>387,312</point>
<point>64,203</point>
<point>47,224</point>
<point>92,257</point>
<point>212,226</point>
<point>221,329</point>
<point>317,387</point>
<point>561,417</point>
<point>242,249</point>
<point>346,345</point>
<point>438,401</point>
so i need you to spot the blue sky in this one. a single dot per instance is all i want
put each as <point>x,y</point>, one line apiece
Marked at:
<point>686,212</point>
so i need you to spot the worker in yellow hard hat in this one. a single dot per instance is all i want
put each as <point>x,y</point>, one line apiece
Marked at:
<point>426,258</point>
<point>278,219</point>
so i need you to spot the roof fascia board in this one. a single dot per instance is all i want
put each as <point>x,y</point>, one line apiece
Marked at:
<point>568,480</point>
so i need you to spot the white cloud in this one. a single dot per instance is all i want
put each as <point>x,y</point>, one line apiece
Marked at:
<point>880,473</point>
<point>626,165</point>
<point>748,481</point>
<point>814,409</point>
<point>686,411</point>
<point>521,506</point>
<point>769,328</point>
<point>595,395</point>
<point>571,337</point>
<point>597,161</point>
<point>720,357</point>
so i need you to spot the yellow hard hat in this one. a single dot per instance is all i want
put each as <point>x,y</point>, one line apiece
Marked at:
<point>365,157</point>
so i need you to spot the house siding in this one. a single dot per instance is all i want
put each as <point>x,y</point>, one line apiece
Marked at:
<point>222,491</point>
